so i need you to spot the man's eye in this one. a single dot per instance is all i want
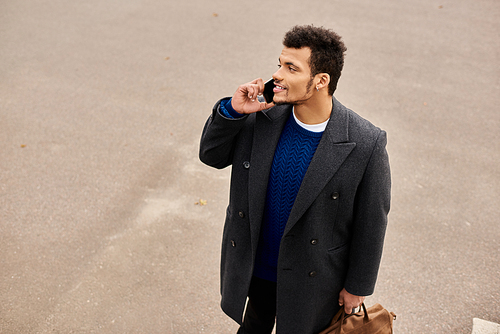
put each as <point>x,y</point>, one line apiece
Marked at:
<point>279,66</point>
<point>292,69</point>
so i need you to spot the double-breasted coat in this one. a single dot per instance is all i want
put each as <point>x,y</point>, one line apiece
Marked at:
<point>334,235</point>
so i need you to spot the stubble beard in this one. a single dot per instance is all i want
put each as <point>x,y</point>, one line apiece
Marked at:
<point>300,101</point>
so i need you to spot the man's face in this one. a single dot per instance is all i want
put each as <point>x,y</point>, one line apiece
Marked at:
<point>293,82</point>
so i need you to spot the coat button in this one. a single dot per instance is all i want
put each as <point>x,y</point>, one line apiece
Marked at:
<point>241,214</point>
<point>312,274</point>
<point>246,164</point>
<point>233,243</point>
<point>314,241</point>
<point>335,195</point>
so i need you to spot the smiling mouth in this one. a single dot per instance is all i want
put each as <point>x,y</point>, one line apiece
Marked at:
<point>278,88</point>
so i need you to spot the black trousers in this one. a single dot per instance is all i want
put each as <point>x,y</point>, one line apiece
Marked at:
<point>260,314</point>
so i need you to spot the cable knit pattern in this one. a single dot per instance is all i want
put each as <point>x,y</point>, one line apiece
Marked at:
<point>292,157</point>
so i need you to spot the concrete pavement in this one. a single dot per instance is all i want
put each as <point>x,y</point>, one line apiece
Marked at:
<point>101,107</point>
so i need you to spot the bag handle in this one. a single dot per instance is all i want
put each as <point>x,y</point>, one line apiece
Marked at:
<point>341,312</point>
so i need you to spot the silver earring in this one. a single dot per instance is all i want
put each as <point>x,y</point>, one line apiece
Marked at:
<point>317,88</point>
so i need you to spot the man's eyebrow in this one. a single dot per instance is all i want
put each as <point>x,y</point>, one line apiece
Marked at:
<point>289,63</point>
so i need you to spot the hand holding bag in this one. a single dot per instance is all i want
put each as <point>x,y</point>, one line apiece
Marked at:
<point>375,320</point>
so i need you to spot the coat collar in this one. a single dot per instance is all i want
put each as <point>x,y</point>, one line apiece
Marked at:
<point>337,129</point>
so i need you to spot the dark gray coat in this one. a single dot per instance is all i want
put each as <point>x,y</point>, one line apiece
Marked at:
<point>334,235</point>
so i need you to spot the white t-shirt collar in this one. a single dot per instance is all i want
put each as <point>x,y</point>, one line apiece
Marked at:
<point>311,127</point>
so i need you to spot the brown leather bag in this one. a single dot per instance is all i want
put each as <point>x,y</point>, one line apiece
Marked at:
<point>375,320</point>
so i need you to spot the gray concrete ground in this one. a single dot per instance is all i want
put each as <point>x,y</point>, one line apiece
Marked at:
<point>101,107</point>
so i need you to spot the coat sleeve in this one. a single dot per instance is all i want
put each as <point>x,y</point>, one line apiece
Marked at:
<point>219,137</point>
<point>372,205</point>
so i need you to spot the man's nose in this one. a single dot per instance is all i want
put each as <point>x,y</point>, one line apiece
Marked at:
<point>277,75</point>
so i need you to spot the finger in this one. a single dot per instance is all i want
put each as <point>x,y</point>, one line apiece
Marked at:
<point>257,82</point>
<point>256,92</point>
<point>243,90</point>
<point>264,105</point>
<point>253,91</point>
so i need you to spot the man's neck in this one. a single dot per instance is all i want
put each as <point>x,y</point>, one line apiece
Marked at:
<point>315,110</point>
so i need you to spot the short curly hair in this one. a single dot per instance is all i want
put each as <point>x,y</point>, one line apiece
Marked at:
<point>327,50</point>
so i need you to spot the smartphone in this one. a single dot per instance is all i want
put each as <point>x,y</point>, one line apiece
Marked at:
<point>268,90</point>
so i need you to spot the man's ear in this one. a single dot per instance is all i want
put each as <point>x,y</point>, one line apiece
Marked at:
<point>322,80</point>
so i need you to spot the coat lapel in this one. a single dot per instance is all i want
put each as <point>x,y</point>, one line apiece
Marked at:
<point>332,150</point>
<point>267,131</point>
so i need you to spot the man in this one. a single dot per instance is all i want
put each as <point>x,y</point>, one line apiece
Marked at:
<point>309,197</point>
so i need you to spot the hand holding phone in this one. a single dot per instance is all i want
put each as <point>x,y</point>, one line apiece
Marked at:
<point>245,100</point>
